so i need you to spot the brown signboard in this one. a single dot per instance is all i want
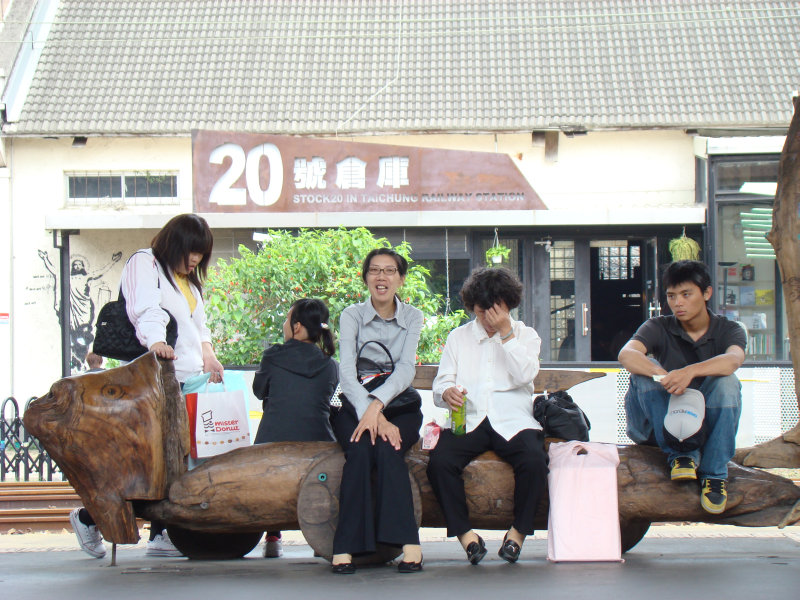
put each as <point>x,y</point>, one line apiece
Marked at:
<point>251,173</point>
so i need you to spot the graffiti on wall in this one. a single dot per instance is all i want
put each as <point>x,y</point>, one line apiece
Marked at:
<point>86,293</point>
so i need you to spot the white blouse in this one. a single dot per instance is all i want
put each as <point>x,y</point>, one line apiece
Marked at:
<point>498,377</point>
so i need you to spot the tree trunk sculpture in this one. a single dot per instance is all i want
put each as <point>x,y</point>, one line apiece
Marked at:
<point>118,435</point>
<point>258,488</point>
<point>121,436</point>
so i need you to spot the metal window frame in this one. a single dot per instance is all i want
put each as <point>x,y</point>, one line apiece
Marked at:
<point>125,198</point>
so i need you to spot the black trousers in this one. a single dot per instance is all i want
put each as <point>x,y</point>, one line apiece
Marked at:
<point>524,452</point>
<point>391,521</point>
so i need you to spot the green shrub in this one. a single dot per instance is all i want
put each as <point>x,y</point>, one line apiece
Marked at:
<point>247,298</point>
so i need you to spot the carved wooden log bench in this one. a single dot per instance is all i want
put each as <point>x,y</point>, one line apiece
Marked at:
<point>121,438</point>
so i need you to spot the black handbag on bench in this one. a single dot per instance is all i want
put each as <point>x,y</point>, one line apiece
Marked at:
<point>560,417</point>
<point>409,399</point>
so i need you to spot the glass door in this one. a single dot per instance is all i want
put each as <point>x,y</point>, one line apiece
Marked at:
<point>563,342</point>
<point>600,291</point>
<point>570,312</point>
<point>748,280</point>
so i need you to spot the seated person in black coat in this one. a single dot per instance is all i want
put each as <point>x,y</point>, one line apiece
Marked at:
<point>295,381</point>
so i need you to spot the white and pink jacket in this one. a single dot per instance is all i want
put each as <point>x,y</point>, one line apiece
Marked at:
<point>147,291</point>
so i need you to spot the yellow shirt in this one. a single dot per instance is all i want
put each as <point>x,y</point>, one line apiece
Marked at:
<point>186,290</point>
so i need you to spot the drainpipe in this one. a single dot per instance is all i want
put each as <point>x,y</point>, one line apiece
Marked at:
<point>61,242</point>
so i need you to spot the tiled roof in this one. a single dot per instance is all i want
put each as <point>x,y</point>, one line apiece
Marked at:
<point>315,67</point>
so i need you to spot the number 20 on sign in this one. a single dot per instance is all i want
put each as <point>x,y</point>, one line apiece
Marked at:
<point>223,192</point>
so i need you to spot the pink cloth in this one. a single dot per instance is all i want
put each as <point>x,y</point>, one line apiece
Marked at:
<point>584,515</point>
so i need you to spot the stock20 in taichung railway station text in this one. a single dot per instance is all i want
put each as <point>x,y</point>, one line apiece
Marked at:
<point>250,173</point>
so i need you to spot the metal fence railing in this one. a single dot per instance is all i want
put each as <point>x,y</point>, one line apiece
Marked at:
<point>22,457</point>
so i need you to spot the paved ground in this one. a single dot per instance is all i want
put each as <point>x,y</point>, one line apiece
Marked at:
<point>672,562</point>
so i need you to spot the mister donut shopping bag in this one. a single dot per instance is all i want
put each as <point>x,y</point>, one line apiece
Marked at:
<point>218,419</point>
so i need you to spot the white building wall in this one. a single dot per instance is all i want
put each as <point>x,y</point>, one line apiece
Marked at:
<point>597,173</point>
<point>38,189</point>
<point>618,169</point>
<point>6,284</point>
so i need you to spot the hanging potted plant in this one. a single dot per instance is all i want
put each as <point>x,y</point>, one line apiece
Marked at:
<point>497,254</point>
<point>684,248</point>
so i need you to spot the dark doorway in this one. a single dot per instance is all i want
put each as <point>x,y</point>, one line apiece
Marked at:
<point>618,294</point>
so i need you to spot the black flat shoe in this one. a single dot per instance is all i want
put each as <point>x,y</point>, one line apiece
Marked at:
<point>509,550</point>
<point>476,551</point>
<point>409,567</point>
<point>343,569</point>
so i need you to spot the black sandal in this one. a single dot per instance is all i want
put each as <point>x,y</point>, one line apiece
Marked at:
<point>409,567</point>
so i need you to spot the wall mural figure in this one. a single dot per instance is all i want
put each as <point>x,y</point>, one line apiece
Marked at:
<point>82,305</point>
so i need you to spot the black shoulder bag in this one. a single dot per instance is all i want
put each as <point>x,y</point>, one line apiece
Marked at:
<point>409,399</point>
<point>115,335</point>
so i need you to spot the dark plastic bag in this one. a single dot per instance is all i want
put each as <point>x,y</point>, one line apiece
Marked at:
<point>560,417</point>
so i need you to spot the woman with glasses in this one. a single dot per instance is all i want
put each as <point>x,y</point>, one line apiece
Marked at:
<point>376,428</point>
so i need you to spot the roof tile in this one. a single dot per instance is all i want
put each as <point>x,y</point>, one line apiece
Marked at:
<point>315,66</point>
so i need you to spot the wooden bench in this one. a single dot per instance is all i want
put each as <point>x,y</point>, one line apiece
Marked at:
<point>549,380</point>
<point>221,508</point>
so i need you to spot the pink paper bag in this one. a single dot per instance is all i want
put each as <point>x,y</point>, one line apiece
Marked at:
<point>583,524</point>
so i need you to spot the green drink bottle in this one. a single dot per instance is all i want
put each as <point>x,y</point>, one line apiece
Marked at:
<point>458,418</point>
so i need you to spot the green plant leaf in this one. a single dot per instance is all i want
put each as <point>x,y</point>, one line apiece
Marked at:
<point>248,297</point>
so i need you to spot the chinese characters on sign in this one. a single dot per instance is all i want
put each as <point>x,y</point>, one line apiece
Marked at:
<point>261,173</point>
<point>351,173</point>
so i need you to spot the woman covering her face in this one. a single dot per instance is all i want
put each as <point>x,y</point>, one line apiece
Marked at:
<point>490,363</point>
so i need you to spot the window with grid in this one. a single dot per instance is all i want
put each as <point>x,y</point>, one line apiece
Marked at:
<point>617,262</point>
<point>562,301</point>
<point>111,189</point>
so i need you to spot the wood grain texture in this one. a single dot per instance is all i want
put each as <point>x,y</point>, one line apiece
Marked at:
<point>781,452</point>
<point>117,435</point>
<point>784,451</point>
<point>258,488</point>
<point>547,379</point>
<point>120,436</point>
<point>785,234</point>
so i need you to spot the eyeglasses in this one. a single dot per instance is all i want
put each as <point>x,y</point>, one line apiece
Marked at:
<point>388,271</point>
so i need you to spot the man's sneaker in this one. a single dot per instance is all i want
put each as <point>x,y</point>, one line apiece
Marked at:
<point>89,538</point>
<point>274,547</point>
<point>683,468</point>
<point>161,545</point>
<point>714,496</point>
